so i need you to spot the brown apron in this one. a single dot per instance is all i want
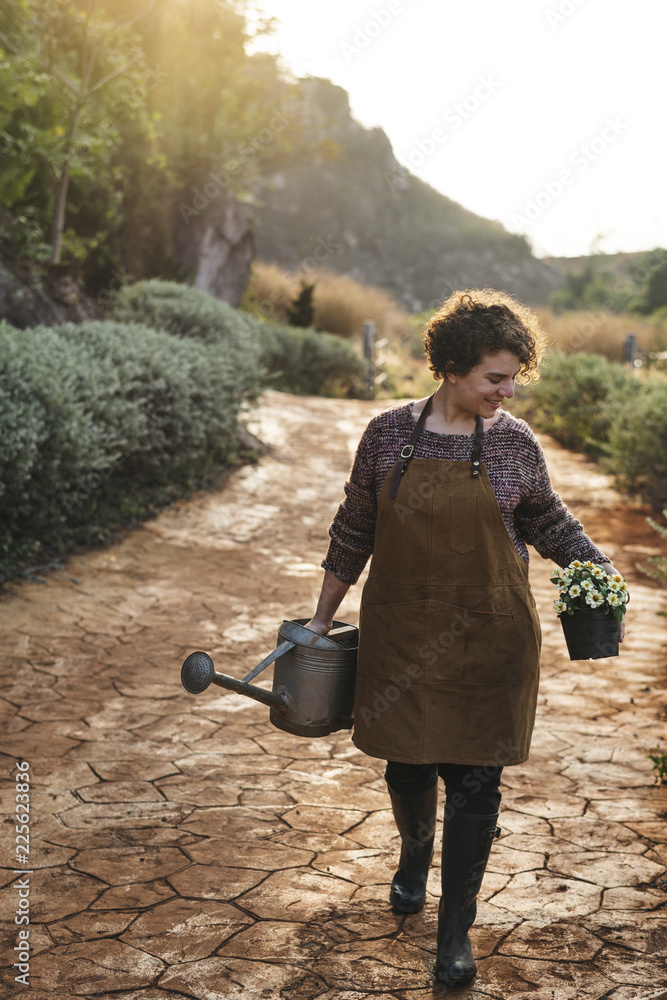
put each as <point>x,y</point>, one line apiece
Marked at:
<point>449,650</point>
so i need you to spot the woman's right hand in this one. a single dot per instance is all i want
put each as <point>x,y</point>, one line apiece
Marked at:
<point>332,593</point>
<point>319,626</point>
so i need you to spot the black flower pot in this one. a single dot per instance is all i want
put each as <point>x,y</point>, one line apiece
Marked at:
<point>590,634</point>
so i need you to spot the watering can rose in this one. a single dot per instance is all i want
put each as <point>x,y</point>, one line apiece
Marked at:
<point>583,585</point>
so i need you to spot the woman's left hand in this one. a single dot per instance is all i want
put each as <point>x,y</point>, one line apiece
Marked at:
<point>610,570</point>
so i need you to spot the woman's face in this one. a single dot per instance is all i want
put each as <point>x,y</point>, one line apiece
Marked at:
<point>482,391</point>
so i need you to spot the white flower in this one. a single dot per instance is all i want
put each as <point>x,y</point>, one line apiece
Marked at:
<point>615,600</point>
<point>567,574</point>
<point>589,565</point>
<point>575,590</point>
<point>594,598</point>
<point>576,564</point>
<point>617,578</point>
<point>598,573</point>
<point>559,607</point>
<point>614,585</point>
<point>587,585</point>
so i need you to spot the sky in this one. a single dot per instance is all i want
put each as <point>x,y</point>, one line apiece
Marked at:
<point>546,115</point>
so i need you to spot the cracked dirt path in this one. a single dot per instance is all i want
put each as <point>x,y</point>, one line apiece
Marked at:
<point>183,847</point>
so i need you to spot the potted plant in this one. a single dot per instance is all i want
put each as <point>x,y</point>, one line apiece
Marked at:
<point>590,604</point>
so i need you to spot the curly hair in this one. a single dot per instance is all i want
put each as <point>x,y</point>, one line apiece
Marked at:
<point>475,322</point>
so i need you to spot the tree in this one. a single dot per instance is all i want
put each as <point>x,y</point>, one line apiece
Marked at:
<point>301,311</point>
<point>655,294</point>
<point>59,57</point>
<point>114,111</point>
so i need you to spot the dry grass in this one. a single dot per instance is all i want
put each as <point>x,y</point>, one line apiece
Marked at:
<point>342,305</point>
<point>601,332</point>
<point>270,290</point>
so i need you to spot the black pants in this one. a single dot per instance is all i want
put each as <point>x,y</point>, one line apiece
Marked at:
<point>472,788</point>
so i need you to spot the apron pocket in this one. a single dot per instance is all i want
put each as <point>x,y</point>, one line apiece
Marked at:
<point>463,515</point>
<point>475,648</point>
<point>389,635</point>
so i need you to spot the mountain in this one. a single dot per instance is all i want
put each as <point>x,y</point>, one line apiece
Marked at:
<point>344,202</point>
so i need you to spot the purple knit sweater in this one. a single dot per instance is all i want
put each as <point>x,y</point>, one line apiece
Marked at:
<point>533,513</point>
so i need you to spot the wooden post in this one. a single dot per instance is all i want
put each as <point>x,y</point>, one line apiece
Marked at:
<point>630,349</point>
<point>369,354</point>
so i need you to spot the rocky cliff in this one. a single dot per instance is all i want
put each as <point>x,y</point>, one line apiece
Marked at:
<point>350,206</point>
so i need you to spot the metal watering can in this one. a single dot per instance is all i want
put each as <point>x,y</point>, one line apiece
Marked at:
<point>313,678</point>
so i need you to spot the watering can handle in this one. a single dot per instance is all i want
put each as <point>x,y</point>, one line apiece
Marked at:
<point>302,634</point>
<point>282,648</point>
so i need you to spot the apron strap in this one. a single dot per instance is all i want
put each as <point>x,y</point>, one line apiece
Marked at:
<point>477,446</point>
<point>408,450</point>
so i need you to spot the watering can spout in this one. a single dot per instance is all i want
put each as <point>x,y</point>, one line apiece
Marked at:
<point>198,672</point>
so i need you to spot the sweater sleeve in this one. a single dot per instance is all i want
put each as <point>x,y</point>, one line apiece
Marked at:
<point>352,531</point>
<point>543,520</point>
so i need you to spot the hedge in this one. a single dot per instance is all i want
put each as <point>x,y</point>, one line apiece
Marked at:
<point>307,362</point>
<point>288,358</point>
<point>103,421</point>
<point>100,420</point>
<point>637,448</point>
<point>569,400</point>
<point>586,401</point>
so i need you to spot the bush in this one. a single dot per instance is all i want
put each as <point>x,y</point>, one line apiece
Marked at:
<point>637,450</point>
<point>189,398</point>
<point>185,311</point>
<point>656,566</point>
<point>51,440</point>
<point>307,362</point>
<point>100,420</point>
<point>568,401</point>
<point>281,357</point>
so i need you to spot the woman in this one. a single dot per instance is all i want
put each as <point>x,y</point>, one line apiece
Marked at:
<point>445,493</point>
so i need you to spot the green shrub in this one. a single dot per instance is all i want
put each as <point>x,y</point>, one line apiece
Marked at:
<point>569,400</point>
<point>189,395</point>
<point>50,439</point>
<point>100,420</point>
<point>103,420</point>
<point>308,362</point>
<point>293,360</point>
<point>187,312</point>
<point>637,450</point>
<point>656,566</point>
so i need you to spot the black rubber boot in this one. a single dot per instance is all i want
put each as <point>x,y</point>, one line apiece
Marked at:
<point>415,818</point>
<point>466,845</point>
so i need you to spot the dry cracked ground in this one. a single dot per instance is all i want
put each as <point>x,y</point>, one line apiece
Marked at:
<point>182,847</point>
